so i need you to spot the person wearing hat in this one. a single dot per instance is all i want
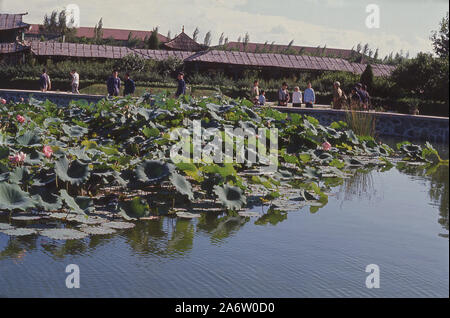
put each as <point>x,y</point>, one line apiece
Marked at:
<point>181,90</point>
<point>338,96</point>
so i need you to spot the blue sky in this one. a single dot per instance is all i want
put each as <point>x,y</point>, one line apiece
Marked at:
<point>404,25</point>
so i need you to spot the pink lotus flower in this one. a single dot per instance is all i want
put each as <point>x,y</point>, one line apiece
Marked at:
<point>18,158</point>
<point>20,119</point>
<point>3,101</point>
<point>48,151</point>
<point>326,146</point>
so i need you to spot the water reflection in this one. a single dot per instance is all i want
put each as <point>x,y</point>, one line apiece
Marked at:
<point>437,177</point>
<point>360,186</point>
<point>174,237</point>
<point>219,227</point>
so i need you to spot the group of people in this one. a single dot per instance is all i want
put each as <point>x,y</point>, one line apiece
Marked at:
<point>359,97</point>
<point>114,83</point>
<point>45,83</point>
<point>308,97</point>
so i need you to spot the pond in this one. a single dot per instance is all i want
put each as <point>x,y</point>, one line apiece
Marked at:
<point>397,219</point>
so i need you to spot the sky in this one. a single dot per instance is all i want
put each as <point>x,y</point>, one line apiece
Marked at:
<point>403,24</point>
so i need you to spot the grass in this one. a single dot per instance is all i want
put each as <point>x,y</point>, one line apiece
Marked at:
<point>100,89</point>
<point>362,123</point>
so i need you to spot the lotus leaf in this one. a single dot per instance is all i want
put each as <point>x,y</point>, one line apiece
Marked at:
<point>12,197</point>
<point>231,197</point>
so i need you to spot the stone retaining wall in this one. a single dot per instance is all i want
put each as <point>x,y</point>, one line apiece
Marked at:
<point>409,127</point>
<point>62,99</point>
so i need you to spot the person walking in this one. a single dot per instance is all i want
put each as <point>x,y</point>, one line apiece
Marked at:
<point>338,96</point>
<point>181,90</point>
<point>283,95</point>
<point>113,84</point>
<point>297,97</point>
<point>129,86</point>
<point>309,97</point>
<point>75,81</point>
<point>44,81</point>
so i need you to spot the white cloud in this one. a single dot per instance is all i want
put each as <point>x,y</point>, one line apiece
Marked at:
<point>219,16</point>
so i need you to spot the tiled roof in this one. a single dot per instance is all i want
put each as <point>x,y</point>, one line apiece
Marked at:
<point>258,47</point>
<point>100,51</point>
<point>183,42</point>
<point>12,21</point>
<point>6,48</point>
<point>286,61</point>
<point>116,34</point>
<point>269,60</point>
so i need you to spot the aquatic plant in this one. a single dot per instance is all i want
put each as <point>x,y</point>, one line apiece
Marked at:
<point>117,154</point>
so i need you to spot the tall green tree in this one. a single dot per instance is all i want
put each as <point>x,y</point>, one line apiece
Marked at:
<point>153,41</point>
<point>367,77</point>
<point>440,38</point>
<point>207,40</point>
<point>195,34</point>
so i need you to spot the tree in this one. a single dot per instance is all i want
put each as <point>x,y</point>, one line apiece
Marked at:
<point>440,38</point>
<point>195,34</point>
<point>367,77</point>
<point>365,49</point>
<point>246,40</point>
<point>221,39</point>
<point>169,35</point>
<point>207,40</point>
<point>57,24</point>
<point>130,63</point>
<point>153,41</point>
<point>98,31</point>
<point>423,75</point>
<point>375,55</point>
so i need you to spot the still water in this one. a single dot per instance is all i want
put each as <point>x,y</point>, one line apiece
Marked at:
<point>395,219</point>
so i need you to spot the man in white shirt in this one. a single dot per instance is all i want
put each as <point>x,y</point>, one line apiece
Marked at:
<point>297,97</point>
<point>75,82</point>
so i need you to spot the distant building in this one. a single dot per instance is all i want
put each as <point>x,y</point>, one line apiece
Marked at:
<point>120,35</point>
<point>232,59</point>
<point>182,42</point>
<point>12,27</point>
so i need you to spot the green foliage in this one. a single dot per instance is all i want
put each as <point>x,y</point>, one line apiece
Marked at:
<point>440,39</point>
<point>423,76</point>
<point>367,77</point>
<point>153,41</point>
<point>131,63</point>
<point>107,149</point>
